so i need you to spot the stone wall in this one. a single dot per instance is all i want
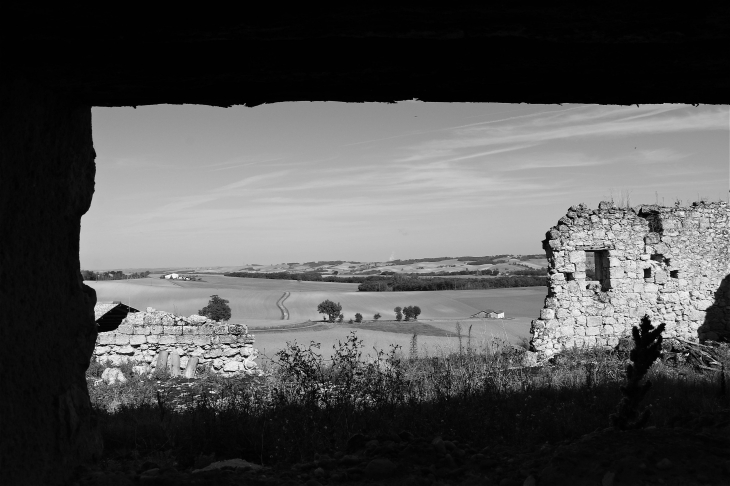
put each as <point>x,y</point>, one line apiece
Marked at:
<point>669,263</point>
<point>226,348</point>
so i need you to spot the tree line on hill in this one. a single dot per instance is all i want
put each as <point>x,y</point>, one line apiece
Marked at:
<point>537,272</point>
<point>400,283</point>
<point>483,260</point>
<point>406,282</point>
<point>304,276</point>
<point>113,275</point>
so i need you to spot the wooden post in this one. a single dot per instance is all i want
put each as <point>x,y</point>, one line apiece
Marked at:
<point>161,361</point>
<point>174,364</point>
<point>192,366</point>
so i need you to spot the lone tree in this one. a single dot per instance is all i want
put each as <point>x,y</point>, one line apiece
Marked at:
<point>398,315</point>
<point>217,309</point>
<point>377,316</point>
<point>358,317</point>
<point>329,309</point>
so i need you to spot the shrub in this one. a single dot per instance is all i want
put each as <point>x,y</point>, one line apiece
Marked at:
<point>358,317</point>
<point>377,316</point>
<point>647,349</point>
<point>341,318</point>
<point>398,315</point>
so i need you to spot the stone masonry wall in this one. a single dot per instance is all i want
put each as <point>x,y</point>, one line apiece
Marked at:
<point>227,348</point>
<point>669,263</point>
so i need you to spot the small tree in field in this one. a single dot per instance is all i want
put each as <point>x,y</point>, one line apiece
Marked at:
<point>341,318</point>
<point>408,313</point>
<point>217,309</point>
<point>398,315</point>
<point>377,316</point>
<point>358,317</point>
<point>329,309</point>
<point>416,311</point>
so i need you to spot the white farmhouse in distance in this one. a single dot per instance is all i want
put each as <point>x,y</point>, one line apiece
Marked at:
<point>492,314</point>
<point>172,275</point>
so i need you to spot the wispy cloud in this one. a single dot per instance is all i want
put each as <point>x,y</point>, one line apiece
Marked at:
<point>589,121</point>
<point>239,165</point>
<point>661,155</point>
<point>136,163</point>
<point>554,161</point>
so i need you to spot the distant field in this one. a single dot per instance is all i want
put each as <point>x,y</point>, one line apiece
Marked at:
<point>253,302</point>
<point>249,298</point>
<point>516,302</point>
<point>434,305</point>
<point>373,340</point>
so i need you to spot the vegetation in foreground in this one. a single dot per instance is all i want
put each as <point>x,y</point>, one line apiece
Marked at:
<point>303,405</point>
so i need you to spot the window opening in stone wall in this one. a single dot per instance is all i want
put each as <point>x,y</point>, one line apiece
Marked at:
<point>569,276</point>
<point>602,269</point>
<point>647,273</point>
<point>590,266</point>
<point>674,273</point>
<point>658,257</point>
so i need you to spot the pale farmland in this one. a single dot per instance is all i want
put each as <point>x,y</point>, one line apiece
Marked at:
<point>253,302</point>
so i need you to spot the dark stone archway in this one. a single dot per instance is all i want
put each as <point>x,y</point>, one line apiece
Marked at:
<point>57,63</point>
<point>47,333</point>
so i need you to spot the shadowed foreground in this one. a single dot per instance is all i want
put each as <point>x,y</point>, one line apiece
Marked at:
<point>469,418</point>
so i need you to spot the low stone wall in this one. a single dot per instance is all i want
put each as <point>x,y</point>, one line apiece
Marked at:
<point>226,348</point>
<point>669,263</point>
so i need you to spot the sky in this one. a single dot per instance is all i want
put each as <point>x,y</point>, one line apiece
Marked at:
<point>187,185</point>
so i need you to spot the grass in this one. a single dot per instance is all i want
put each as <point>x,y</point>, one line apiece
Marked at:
<point>304,405</point>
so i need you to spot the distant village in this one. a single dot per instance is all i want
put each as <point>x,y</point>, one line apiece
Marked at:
<point>490,314</point>
<point>177,276</point>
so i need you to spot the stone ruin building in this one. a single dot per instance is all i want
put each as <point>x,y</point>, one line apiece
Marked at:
<point>671,264</point>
